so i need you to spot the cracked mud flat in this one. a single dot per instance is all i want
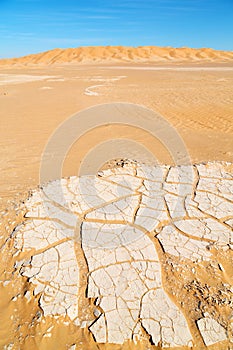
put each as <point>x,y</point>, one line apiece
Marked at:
<point>136,257</point>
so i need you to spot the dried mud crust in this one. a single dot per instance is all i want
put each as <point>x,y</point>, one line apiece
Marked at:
<point>138,255</point>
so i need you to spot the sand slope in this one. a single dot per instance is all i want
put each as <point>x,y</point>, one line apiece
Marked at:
<point>123,54</point>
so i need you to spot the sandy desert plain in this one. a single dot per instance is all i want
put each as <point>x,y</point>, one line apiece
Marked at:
<point>193,90</point>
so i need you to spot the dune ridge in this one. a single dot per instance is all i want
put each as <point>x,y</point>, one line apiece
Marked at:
<point>105,54</point>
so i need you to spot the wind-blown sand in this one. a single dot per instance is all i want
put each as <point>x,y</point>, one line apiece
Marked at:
<point>191,89</point>
<point>197,102</point>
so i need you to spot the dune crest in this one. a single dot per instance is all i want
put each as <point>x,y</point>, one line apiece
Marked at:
<point>141,54</point>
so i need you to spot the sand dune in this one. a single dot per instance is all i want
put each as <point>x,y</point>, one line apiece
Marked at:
<point>123,54</point>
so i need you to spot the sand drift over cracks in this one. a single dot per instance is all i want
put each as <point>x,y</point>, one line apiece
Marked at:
<point>110,238</point>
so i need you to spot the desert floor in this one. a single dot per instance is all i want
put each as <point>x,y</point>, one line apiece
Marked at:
<point>196,101</point>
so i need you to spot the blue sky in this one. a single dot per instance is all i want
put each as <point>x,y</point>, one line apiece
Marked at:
<point>31,26</point>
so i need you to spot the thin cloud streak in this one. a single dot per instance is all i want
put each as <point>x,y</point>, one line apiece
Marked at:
<point>31,25</point>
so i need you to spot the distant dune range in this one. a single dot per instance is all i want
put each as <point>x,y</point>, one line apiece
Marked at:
<point>105,54</point>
